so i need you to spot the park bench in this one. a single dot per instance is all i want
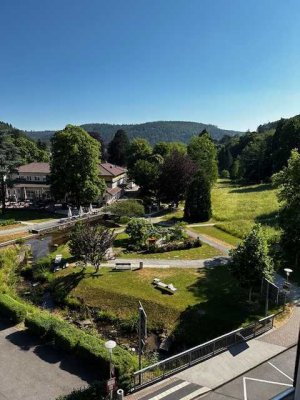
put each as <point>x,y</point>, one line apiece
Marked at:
<point>123,266</point>
<point>163,286</point>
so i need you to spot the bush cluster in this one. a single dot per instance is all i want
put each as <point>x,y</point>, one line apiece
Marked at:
<point>7,222</point>
<point>186,244</point>
<point>96,391</point>
<point>12,309</point>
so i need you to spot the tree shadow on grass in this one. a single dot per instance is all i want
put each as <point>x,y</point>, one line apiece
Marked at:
<point>252,189</point>
<point>64,284</point>
<point>268,219</point>
<point>222,308</point>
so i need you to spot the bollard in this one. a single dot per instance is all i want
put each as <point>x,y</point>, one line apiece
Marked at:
<point>120,394</point>
<point>141,265</point>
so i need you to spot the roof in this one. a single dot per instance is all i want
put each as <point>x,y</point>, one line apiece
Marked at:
<point>107,169</point>
<point>38,167</point>
<point>113,191</point>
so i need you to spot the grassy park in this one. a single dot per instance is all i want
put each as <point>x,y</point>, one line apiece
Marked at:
<point>207,303</point>
<point>236,208</point>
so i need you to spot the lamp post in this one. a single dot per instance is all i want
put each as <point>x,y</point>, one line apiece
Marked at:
<point>110,345</point>
<point>288,271</point>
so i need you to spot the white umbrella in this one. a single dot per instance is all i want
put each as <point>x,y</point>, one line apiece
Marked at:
<point>91,208</point>
<point>80,212</point>
<point>69,213</point>
<point>24,194</point>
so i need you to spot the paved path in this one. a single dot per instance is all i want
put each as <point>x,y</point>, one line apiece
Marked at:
<point>152,263</point>
<point>30,370</point>
<point>217,244</point>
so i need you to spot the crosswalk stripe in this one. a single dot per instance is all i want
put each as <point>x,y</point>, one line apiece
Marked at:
<point>169,391</point>
<point>195,393</point>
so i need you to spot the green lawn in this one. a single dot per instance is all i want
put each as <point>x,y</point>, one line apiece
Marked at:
<point>27,215</point>
<point>216,233</point>
<point>207,303</point>
<point>199,253</point>
<point>236,208</point>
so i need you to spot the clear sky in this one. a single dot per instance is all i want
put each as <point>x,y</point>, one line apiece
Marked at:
<point>233,63</point>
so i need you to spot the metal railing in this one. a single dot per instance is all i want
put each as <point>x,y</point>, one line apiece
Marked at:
<point>186,359</point>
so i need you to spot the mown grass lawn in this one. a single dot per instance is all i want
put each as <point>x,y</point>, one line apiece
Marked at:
<point>236,208</point>
<point>208,302</point>
<point>198,253</point>
<point>217,234</point>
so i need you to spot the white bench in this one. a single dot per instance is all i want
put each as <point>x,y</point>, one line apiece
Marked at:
<point>161,285</point>
<point>123,266</point>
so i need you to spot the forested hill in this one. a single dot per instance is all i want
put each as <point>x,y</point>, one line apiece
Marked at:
<point>153,131</point>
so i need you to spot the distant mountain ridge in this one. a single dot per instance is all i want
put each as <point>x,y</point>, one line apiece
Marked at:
<point>153,131</point>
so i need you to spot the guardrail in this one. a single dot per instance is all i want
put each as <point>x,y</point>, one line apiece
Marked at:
<point>186,359</point>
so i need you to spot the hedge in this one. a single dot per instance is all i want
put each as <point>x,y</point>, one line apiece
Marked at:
<point>97,391</point>
<point>12,309</point>
<point>86,346</point>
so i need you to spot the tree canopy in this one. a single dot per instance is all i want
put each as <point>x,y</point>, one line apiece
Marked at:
<point>202,151</point>
<point>288,182</point>
<point>118,148</point>
<point>75,166</point>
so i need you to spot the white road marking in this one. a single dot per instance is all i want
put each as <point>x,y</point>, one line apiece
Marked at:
<point>274,366</point>
<point>260,380</point>
<point>169,391</point>
<point>195,393</point>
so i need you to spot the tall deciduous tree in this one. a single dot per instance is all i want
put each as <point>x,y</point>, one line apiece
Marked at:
<point>202,151</point>
<point>166,148</point>
<point>198,199</point>
<point>103,150</point>
<point>250,261</point>
<point>118,148</point>
<point>145,174</point>
<point>9,160</point>
<point>139,149</point>
<point>75,166</point>
<point>176,173</point>
<point>90,244</point>
<point>288,181</point>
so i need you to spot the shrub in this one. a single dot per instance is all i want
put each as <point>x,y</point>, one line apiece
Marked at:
<point>97,391</point>
<point>225,174</point>
<point>187,244</point>
<point>65,335</point>
<point>92,350</point>
<point>7,222</point>
<point>40,323</point>
<point>124,219</point>
<point>129,208</point>
<point>12,309</point>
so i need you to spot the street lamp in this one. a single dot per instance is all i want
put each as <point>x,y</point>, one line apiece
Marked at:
<point>110,345</point>
<point>288,271</point>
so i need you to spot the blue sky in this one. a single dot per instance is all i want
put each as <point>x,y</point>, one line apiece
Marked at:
<point>234,63</point>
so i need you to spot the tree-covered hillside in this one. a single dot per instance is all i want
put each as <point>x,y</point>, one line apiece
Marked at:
<point>28,149</point>
<point>168,131</point>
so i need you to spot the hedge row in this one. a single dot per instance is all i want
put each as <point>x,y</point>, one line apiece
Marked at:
<point>8,222</point>
<point>69,338</point>
<point>12,309</point>
<point>89,348</point>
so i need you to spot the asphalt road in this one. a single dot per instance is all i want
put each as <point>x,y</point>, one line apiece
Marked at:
<point>263,382</point>
<point>30,370</point>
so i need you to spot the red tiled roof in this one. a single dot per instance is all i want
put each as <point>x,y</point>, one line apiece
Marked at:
<point>107,169</point>
<point>113,191</point>
<point>41,167</point>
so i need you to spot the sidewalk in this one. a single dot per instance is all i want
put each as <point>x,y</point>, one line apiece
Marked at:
<point>232,363</point>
